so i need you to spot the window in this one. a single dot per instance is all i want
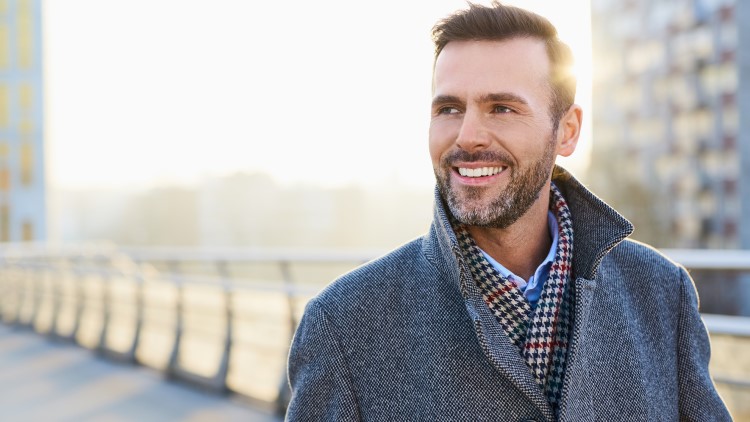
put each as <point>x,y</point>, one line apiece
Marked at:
<point>704,122</point>
<point>728,36</point>
<point>26,96</point>
<point>730,119</point>
<point>27,231</point>
<point>27,164</point>
<point>645,56</point>
<point>647,130</point>
<point>4,179</point>
<point>730,227</point>
<point>4,46</point>
<point>25,27</point>
<point>4,106</point>
<point>702,42</point>
<point>4,223</point>
<point>26,128</point>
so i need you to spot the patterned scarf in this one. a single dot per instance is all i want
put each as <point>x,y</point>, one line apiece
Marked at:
<point>541,334</point>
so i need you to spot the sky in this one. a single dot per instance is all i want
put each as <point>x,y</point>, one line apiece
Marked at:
<point>145,93</point>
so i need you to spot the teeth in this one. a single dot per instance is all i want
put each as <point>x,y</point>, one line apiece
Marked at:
<point>483,171</point>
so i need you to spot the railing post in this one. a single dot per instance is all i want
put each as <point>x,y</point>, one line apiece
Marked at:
<point>20,293</point>
<point>286,274</point>
<point>35,295</point>
<point>80,297</point>
<point>4,290</point>
<point>221,374</point>
<point>173,365</point>
<point>285,393</point>
<point>56,299</point>
<point>13,293</point>
<point>139,310</point>
<point>106,305</point>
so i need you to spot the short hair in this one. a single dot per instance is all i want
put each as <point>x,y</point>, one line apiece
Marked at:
<point>499,22</point>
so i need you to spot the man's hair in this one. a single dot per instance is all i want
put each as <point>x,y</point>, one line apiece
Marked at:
<point>499,22</point>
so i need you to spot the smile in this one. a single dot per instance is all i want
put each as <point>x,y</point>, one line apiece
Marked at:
<point>480,172</point>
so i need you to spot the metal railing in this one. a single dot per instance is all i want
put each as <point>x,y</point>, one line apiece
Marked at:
<point>220,319</point>
<point>711,259</point>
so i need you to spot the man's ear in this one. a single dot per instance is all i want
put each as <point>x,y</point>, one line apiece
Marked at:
<point>569,130</point>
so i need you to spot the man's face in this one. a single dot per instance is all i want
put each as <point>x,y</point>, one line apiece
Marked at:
<point>491,136</point>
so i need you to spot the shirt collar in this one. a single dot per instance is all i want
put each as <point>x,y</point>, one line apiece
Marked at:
<point>541,269</point>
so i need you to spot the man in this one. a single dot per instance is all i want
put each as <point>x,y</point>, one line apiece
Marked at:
<point>525,301</point>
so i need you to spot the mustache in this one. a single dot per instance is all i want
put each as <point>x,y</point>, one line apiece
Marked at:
<point>468,157</point>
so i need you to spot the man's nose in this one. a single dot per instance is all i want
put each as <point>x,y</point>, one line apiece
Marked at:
<point>473,134</point>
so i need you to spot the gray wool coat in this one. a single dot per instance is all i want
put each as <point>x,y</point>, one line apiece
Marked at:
<point>408,337</point>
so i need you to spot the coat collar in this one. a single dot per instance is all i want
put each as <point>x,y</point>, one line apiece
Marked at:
<point>597,228</point>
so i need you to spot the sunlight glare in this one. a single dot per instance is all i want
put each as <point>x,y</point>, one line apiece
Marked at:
<point>314,96</point>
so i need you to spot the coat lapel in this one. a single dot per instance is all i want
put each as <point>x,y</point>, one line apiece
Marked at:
<point>593,242</point>
<point>502,354</point>
<point>500,351</point>
<point>576,371</point>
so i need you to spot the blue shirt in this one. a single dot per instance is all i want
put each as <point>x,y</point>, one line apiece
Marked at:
<point>532,288</point>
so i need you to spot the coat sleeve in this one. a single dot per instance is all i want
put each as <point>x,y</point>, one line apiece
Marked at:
<point>698,399</point>
<point>319,377</point>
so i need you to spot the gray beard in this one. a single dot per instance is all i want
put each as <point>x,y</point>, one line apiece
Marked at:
<point>508,206</point>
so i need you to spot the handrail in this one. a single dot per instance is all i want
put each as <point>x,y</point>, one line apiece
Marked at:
<point>167,254</point>
<point>727,324</point>
<point>699,259</point>
<point>711,259</point>
<point>32,277</point>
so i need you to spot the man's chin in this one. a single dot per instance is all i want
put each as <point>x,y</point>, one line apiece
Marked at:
<point>469,211</point>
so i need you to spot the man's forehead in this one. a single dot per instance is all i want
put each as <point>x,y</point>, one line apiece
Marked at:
<point>462,64</point>
<point>524,52</point>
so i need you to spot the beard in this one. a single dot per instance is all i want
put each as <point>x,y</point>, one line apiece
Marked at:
<point>486,207</point>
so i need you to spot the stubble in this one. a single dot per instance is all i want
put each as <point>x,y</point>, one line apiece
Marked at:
<point>470,205</point>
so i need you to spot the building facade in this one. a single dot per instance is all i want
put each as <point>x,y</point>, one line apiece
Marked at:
<point>22,175</point>
<point>671,118</point>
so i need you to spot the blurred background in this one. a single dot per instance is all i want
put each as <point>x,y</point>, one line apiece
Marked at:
<point>177,178</point>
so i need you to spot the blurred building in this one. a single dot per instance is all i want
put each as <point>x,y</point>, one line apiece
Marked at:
<point>252,210</point>
<point>22,187</point>
<point>671,147</point>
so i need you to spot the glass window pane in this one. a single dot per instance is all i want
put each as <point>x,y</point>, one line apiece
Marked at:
<point>27,232</point>
<point>27,164</point>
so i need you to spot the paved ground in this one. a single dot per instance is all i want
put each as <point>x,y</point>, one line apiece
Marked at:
<point>42,380</point>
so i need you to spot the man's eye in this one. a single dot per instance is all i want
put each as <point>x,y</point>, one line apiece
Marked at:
<point>447,110</point>
<point>501,110</point>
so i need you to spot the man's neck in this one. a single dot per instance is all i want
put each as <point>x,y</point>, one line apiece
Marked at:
<point>524,245</point>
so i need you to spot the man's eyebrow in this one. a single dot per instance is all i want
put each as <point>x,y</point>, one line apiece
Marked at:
<point>445,99</point>
<point>497,97</point>
<point>502,97</point>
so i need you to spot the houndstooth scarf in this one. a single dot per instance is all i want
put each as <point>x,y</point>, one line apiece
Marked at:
<point>541,334</point>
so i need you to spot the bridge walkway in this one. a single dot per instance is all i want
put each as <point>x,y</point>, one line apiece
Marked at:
<point>46,380</point>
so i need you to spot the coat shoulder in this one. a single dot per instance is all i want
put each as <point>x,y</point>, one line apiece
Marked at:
<point>633,254</point>
<point>640,273</point>
<point>395,276</point>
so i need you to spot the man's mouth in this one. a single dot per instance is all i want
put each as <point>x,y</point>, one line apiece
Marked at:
<point>480,172</point>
